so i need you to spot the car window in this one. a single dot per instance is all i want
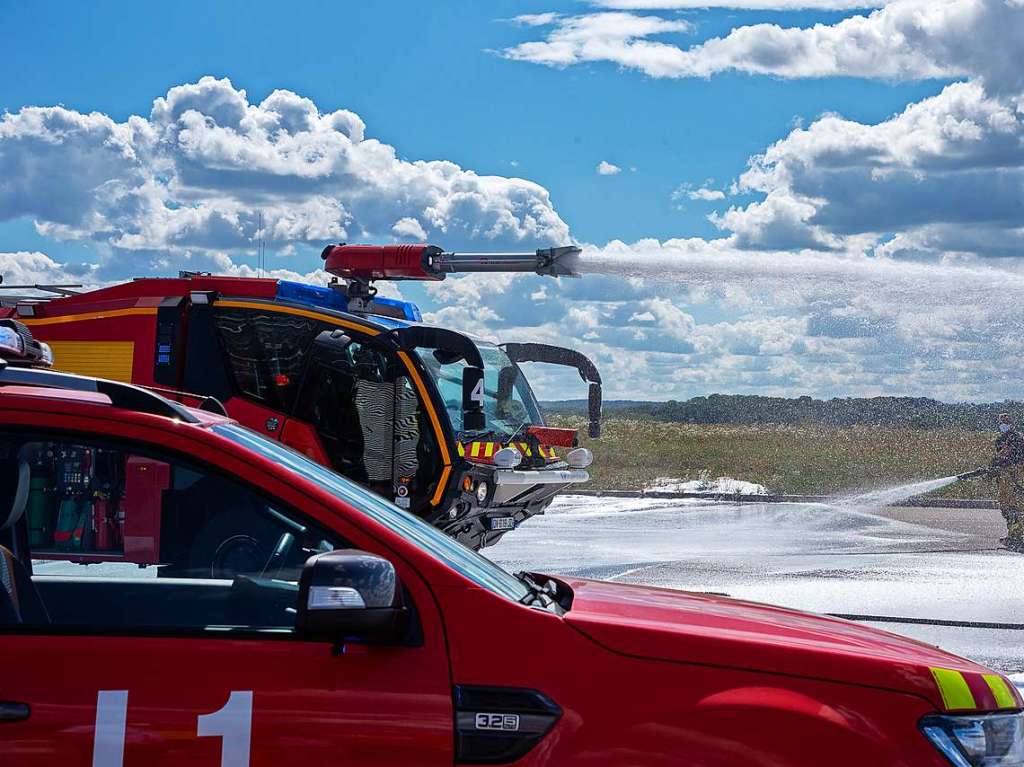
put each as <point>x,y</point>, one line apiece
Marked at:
<point>424,536</point>
<point>125,540</point>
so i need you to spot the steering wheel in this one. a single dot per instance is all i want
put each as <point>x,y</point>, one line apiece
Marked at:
<point>279,556</point>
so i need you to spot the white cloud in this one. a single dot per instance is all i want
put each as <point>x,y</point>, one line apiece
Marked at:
<point>409,227</point>
<point>536,19</point>
<point>907,39</point>
<point>642,317</point>
<point>748,5</point>
<point>193,178</point>
<point>618,37</point>
<point>740,4</point>
<point>605,168</point>
<point>705,194</point>
<point>34,268</point>
<point>942,177</point>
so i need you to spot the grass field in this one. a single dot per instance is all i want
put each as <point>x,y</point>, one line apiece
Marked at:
<point>810,460</point>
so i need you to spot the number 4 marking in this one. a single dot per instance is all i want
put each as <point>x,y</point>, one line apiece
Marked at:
<point>477,395</point>
<point>232,723</point>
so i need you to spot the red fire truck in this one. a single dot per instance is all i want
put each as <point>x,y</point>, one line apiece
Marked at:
<point>443,424</point>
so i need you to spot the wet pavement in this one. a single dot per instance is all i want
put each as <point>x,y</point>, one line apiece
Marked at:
<point>921,563</point>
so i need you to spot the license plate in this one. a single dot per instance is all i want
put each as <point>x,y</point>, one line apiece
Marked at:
<point>503,523</point>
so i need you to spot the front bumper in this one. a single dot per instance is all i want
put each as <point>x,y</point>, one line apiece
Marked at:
<point>512,497</point>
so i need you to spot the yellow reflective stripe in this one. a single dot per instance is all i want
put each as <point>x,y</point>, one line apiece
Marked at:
<point>1004,698</point>
<point>462,450</point>
<point>109,314</point>
<point>956,695</point>
<point>313,315</point>
<point>488,450</point>
<point>474,450</point>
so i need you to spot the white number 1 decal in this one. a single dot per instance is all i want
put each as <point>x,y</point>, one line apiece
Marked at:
<point>111,715</point>
<point>232,724</point>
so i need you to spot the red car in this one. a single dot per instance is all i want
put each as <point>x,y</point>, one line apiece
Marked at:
<point>339,630</point>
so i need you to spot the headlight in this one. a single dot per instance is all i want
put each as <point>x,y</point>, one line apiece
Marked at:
<point>481,492</point>
<point>11,342</point>
<point>983,740</point>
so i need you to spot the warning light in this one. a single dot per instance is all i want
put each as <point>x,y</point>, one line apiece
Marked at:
<point>282,380</point>
<point>467,484</point>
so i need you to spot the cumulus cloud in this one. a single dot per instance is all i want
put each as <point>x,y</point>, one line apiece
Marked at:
<point>193,178</point>
<point>906,39</point>
<point>945,176</point>
<point>746,5</point>
<point>703,193</point>
<point>618,37</point>
<point>605,168</point>
<point>35,268</point>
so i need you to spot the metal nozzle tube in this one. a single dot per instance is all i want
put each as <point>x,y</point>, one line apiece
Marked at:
<point>545,262</point>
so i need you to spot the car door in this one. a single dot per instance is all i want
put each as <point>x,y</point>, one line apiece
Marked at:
<point>171,637</point>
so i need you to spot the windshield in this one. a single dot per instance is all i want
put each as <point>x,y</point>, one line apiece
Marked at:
<point>509,403</point>
<point>476,568</point>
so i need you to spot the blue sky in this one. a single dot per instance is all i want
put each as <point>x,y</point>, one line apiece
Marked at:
<point>425,79</point>
<point>548,100</point>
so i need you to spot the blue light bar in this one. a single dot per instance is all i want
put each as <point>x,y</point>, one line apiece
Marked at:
<point>408,309</point>
<point>328,298</point>
<point>301,293</point>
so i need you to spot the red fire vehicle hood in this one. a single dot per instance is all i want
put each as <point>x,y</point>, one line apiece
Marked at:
<point>685,627</point>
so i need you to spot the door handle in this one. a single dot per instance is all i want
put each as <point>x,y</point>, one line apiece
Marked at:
<point>12,711</point>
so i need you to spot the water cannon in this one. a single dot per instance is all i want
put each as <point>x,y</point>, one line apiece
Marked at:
<point>429,262</point>
<point>359,265</point>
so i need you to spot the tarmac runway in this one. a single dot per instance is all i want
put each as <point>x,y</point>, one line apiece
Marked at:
<point>928,564</point>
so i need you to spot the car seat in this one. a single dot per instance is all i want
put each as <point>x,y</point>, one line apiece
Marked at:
<point>20,602</point>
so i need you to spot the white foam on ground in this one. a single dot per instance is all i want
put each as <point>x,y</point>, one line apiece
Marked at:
<point>722,485</point>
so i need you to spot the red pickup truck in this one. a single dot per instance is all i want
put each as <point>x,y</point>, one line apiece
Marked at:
<point>339,630</point>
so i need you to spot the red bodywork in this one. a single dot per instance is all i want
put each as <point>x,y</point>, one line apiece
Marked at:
<point>380,262</point>
<point>643,676</point>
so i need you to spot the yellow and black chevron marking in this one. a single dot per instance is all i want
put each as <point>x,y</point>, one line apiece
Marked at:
<point>486,450</point>
<point>968,691</point>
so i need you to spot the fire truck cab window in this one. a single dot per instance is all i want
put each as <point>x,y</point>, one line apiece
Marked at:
<point>126,541</point>
<point>509,403</point>
<point>266,352</point>
<point>370,421</point>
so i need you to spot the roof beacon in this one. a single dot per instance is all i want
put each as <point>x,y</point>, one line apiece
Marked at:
<point>19,348</point>
<point>359,265</point>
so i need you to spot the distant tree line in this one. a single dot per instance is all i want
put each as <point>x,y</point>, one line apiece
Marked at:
<point>902,412</point>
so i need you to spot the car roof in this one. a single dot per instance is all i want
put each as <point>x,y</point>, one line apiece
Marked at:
<point>33,387</point>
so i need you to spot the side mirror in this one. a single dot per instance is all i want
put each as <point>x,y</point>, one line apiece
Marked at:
<point>473,418</point>
<point>353,595</point>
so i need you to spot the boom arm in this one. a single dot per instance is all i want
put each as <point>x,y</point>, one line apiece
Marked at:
<point>427,262</point>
